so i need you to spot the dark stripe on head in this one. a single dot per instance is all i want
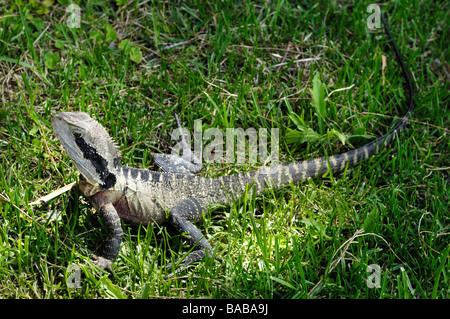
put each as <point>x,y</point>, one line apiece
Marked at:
<point>99,163</point>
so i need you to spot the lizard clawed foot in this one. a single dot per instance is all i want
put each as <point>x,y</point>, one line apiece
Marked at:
<point>101,262</point>
<point>196,255</point>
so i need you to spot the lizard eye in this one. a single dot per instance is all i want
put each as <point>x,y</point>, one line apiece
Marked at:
<point>76,134</point>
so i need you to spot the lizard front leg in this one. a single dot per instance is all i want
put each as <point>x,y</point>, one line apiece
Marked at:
<point>112,245</point>
<point>181,217</point>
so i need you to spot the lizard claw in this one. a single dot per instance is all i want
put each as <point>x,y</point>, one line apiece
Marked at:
<point>183,262</point>
<point>101,262</point>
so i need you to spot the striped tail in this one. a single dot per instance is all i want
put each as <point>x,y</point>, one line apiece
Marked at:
<point>298,172</point>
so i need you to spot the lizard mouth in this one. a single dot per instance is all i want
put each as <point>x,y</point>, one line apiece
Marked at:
<point>60,126</point>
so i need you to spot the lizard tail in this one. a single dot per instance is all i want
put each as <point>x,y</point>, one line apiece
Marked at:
<point>297,172</point>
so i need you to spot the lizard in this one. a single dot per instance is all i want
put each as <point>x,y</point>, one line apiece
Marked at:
<point>175,194</point>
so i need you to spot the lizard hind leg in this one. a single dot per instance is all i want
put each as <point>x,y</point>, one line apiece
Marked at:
<point>187,164</point>
<point>181,217</point>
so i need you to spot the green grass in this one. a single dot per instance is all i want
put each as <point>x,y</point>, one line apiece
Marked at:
<point>237,70</point>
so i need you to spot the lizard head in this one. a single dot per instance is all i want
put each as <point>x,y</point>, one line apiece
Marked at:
<point>89,145</point>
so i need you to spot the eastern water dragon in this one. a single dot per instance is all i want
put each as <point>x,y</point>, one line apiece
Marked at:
<point>175,194</point>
